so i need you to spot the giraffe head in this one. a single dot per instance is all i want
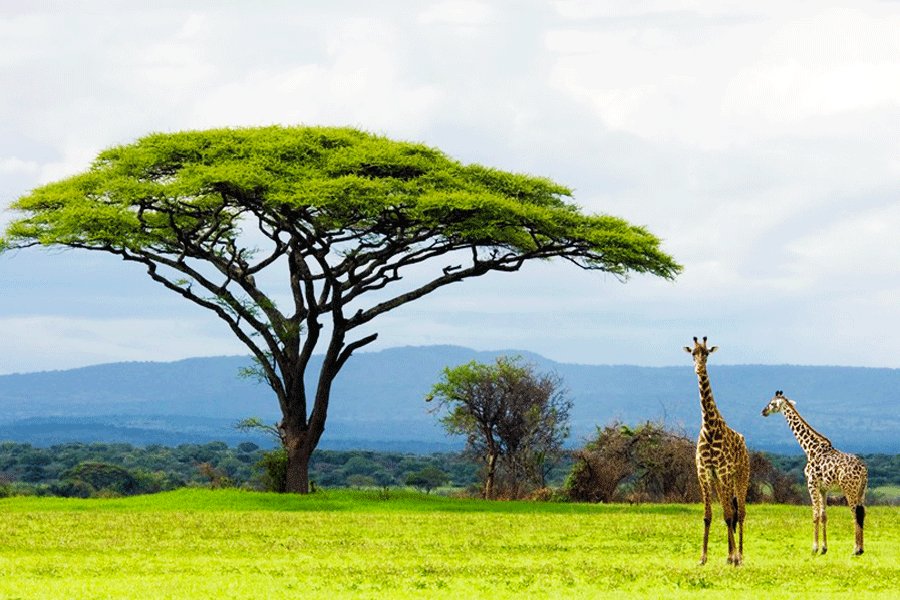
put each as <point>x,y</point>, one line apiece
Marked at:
<point>776,404</point>
<point>700,352</point>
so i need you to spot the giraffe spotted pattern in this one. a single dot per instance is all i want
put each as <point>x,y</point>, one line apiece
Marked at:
<point>723,463</point>
<point>826,469</point>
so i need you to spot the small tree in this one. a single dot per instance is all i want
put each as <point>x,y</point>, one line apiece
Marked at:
<point>514,419</point>
<point>427,479</point>
<point>273,462</point>
<point>329,221</point>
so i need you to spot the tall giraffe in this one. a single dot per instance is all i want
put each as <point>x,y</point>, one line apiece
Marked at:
<point>723,462</point>
<point>826,468</point>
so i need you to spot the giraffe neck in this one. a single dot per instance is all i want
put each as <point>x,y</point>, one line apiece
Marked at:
<point>810,440</point>
<point>712,419</point>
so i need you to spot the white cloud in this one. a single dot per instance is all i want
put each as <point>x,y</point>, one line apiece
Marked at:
<point>862,243</point>
<point>171,68</point>
<point>75,158</point>
<point>358,85</point>
<point>838,60</point>
<point>668,90</point>
<point>715,83</point>
<point>758,139</point>
<point>590,9</point>
<point>464,13</point>
<point>17,165</point>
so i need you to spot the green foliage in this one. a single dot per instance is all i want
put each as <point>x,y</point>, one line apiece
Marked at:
<point>73,488</point>
<point>158,468</point>
<point>229,543</point>
<point>427,479</point>
<point>514,419</point>
<point>251,424</point>
<point>117,468</point>
<point>274,470</point>
<point>338,179</point>
<point>102,476</point>
<point>6,489</point>
<point>247,447</point>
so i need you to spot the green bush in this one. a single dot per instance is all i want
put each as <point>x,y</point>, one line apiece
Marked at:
<point>73,488</point>
<point>274,466</point>
<point>102,476</point>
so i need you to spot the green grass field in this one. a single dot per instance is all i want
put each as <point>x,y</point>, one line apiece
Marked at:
<point>339,544</point>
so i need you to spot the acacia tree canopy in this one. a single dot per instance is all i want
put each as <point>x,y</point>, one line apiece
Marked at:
<point>331,219</point>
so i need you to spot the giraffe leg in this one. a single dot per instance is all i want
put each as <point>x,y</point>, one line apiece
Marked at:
<point>742,512</point>
<point>816,497</point>
<point>724,493</point>
<point>706,492</point>
<point>736,557</point>
<point>861,508</point>
<point>860,514</point>
<point>707,519</point>
<point>824,520</point>
<point>855,492</point>
<point>815,546</point>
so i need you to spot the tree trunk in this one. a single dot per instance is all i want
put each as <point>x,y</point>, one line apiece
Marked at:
<point>297,476</point>
<point>302,432</point>
<point>489,480</point>
<point>300,439</point>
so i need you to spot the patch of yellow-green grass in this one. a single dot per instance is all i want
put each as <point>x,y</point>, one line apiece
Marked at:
<point>231,544</point>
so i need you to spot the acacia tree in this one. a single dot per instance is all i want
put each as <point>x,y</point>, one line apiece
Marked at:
<point>514,419</point>
<point>328,222</point>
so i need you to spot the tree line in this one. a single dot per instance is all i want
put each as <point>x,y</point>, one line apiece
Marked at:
<point>119,469</point>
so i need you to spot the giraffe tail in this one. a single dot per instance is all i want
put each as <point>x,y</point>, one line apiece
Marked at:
<point>860,514</point>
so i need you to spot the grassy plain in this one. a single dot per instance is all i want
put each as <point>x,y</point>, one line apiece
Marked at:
<point>339,544</point>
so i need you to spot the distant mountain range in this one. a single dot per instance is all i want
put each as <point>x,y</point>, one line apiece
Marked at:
<point>378,401</point>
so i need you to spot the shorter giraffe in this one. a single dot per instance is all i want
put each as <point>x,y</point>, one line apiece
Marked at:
<point>826,468</point>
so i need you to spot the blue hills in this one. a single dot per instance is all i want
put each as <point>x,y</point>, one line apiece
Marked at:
<point>378,401</point>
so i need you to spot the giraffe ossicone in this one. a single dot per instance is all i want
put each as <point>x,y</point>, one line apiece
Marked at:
<point>826,468</point>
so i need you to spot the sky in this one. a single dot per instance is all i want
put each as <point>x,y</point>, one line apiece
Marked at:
<point>759,140</point>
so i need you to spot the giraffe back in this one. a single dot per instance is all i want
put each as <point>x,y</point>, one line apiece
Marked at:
<point>836,470</point>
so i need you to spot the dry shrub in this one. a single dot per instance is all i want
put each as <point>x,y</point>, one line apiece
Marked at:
<point>646,464</point>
